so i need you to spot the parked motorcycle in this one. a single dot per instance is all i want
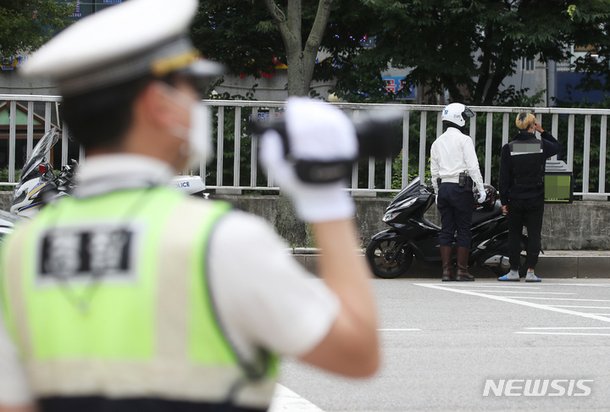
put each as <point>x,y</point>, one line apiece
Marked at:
<point>39,184</point>
<point>411,235</point>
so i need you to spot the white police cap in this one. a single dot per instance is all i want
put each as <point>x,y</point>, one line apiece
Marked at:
<point>121,43</point>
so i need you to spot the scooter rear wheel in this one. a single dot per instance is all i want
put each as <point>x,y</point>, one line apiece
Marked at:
<point>388,258</point>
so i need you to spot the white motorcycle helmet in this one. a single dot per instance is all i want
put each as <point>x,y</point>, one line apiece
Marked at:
<point>456,113</point>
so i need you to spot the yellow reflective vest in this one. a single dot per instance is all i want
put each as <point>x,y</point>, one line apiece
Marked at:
<point>109,296</point>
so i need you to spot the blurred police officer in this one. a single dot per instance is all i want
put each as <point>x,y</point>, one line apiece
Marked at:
<point>132,296</point>
<point>455,172</point>
<point>522,191</point>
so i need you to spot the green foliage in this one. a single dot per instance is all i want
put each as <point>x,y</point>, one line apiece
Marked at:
<point>239,33</point>
<point>4,178</point>
<point>591,26</point>
<point>467,47</point>
<point>518,98</point>
<point>27,24</point>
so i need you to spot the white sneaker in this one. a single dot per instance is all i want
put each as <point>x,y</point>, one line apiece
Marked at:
<point>512,276</point>
<point>531,277</point>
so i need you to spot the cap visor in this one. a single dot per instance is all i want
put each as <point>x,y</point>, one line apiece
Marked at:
<point>204,68</point>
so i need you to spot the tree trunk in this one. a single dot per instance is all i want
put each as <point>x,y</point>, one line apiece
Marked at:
<point>485,68</point>
<point>301,61</point>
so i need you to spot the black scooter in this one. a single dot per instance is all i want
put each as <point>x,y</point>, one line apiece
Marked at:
<point>390,253</point>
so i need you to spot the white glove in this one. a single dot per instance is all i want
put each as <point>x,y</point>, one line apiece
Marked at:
<point>319,132</point>
<point>482,196</point>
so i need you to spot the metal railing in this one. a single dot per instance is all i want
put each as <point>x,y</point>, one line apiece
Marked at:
<point>583,134</point>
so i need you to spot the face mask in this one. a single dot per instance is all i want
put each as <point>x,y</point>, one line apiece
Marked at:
<point>199,133</point>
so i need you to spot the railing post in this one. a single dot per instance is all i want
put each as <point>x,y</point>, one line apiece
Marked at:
<point>586,157</point>
<point>237,147</point>
<point>253,152</point>
<point>220,133</point>
<point>488,137</point>
<point>404,179</point>
<point>30,130</point>
<point>603,130</point>
<point>570,155</point>
<point>505,118</point>
<point>12,140</point>
<point>47,123</point>
<point>422,145</point>
<point>555,129</point>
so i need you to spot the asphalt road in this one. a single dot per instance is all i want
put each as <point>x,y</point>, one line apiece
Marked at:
<point>446,345</point>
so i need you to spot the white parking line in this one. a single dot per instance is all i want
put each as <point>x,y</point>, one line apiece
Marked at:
<point>285,400</point>
<point>568,327</point>
<point>571,299</point>
<point>566,330</point>
<point>600,285</point>
<point>563,333</point>
<point>515,301</point>
<point>582,307</point>
<point>524,292</point>
<point>503,286</point>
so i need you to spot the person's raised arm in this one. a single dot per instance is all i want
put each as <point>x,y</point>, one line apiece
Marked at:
<point>550,145</point>
<point>321,134</point>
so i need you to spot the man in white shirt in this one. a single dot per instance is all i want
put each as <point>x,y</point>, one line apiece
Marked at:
<point>455,170</point>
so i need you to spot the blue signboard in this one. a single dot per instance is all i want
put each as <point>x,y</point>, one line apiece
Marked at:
<point>398,86</point>
<point>568,90</point>
<point>85,8</point>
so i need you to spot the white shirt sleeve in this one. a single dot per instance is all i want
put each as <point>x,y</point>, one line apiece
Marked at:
<point>14,389</point>
<point>264,297</point>
<point>434,169</point>
<point>472,163</point>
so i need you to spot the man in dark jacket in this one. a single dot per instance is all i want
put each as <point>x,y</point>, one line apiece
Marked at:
<point>522,190</point>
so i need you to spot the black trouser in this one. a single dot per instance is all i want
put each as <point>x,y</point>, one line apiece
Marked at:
<point>528,213</point>
<point>455,205</point>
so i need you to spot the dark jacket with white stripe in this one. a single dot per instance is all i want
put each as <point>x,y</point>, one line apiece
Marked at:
<point>522,165</point>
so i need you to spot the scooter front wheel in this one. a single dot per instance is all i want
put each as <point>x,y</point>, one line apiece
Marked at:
<point>388,258</point>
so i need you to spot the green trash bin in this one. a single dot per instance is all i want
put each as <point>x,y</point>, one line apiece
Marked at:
<point>558,182</point>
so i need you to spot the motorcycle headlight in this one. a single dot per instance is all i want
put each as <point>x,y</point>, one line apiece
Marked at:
<point>390,216</point>
<point>398,209</point>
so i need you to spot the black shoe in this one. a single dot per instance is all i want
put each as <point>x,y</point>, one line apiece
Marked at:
<point>465,277</point>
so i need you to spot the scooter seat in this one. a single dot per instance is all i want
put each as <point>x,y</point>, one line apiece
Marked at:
<point>481,215</point>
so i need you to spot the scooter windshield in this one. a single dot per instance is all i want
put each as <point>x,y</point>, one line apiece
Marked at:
<point>44,146</point>
<point>410,190</point>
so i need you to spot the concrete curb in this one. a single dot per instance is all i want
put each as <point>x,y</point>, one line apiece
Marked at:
<point>551,264</point>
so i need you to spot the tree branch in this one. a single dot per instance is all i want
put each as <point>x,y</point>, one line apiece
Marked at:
<point>319,25</point>
<point>315,38</point>
<point>276,12</point>
<point>279,17</point>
